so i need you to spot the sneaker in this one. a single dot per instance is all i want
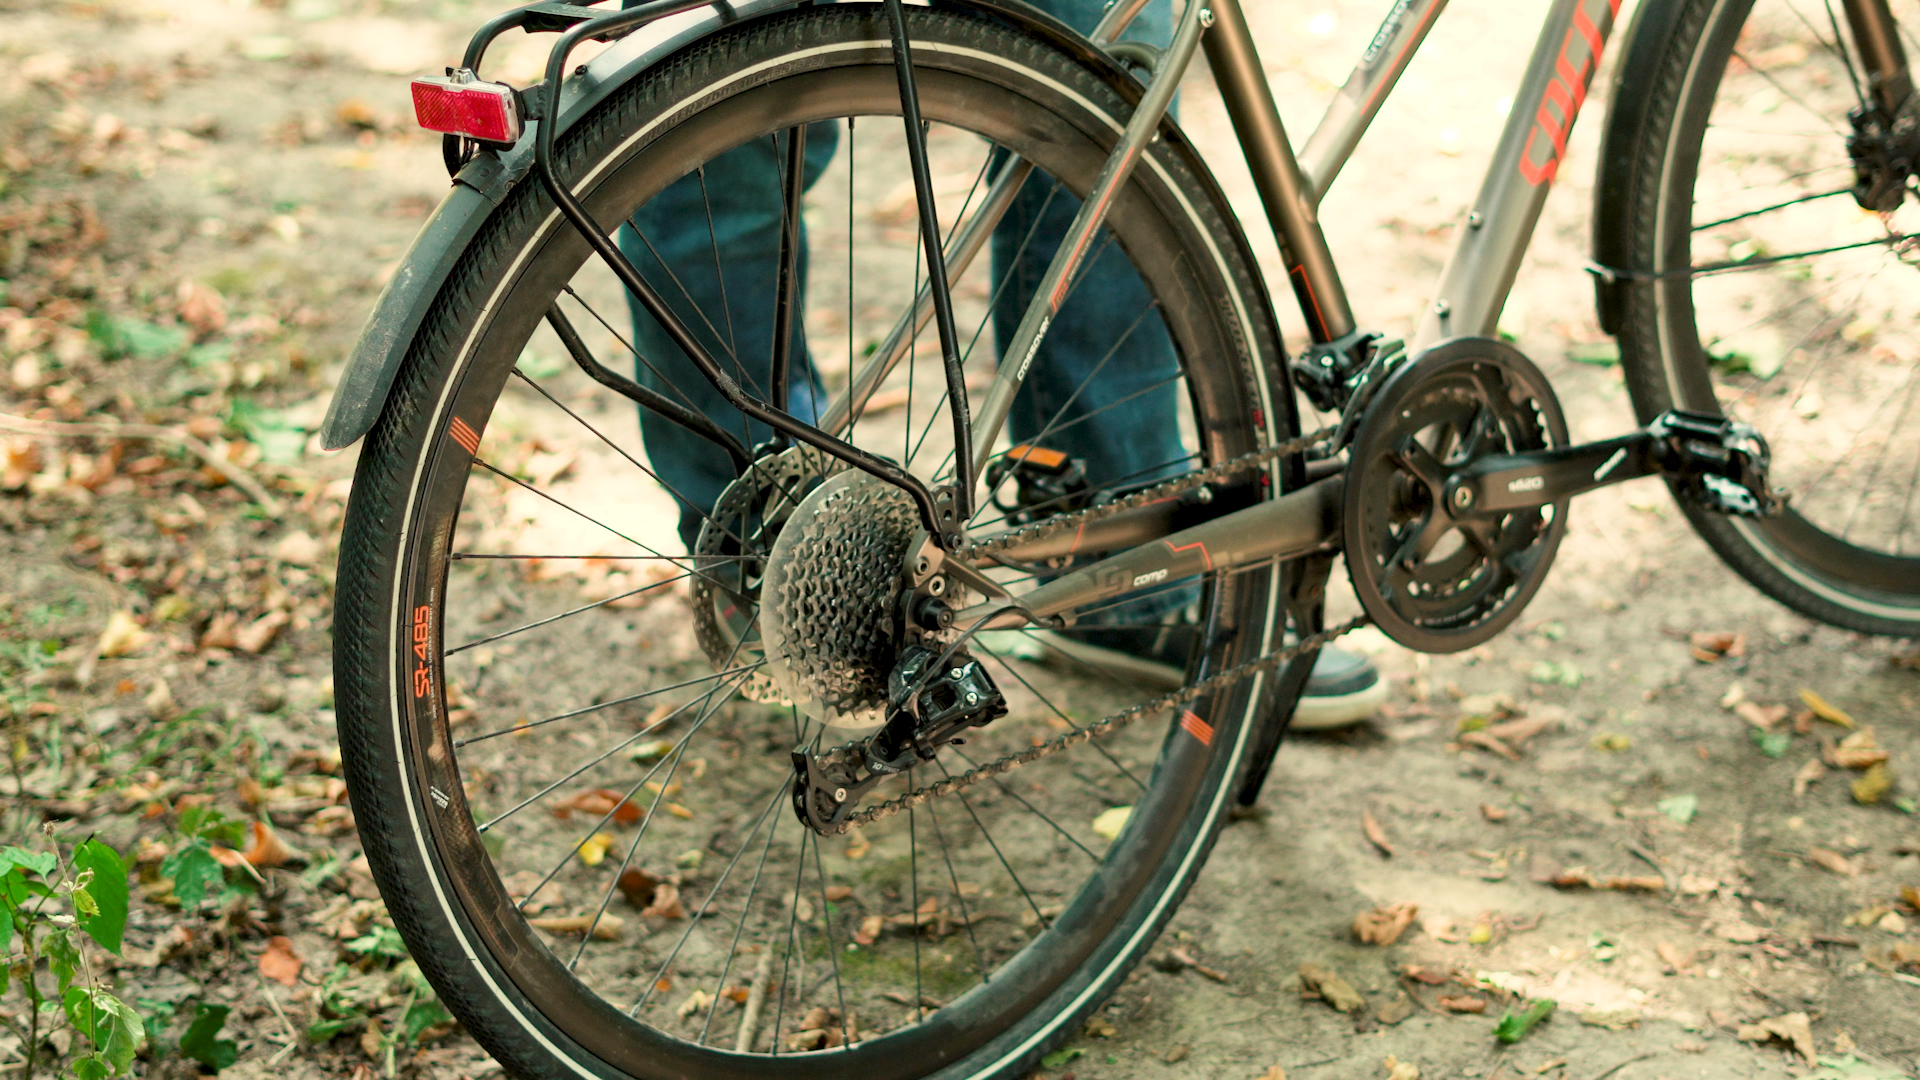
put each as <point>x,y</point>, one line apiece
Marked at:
<point>1344,688</point>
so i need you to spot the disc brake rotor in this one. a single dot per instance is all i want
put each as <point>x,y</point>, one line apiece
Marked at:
<point>731,555</point>
<point>1434,577</point>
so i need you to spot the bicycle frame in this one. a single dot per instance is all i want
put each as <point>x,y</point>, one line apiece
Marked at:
<point>1466,302</point>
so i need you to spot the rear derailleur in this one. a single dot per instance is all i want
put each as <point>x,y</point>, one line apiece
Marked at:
<point>932,697</point>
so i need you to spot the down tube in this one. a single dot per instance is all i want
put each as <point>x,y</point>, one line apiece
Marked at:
<point>1474,286</point>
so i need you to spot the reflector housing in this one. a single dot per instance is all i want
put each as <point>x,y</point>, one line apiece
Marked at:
<point>478,110</point>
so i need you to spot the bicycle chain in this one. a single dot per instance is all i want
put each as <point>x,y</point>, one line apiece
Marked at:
<point>1106,725</point>
<point>1164,490</point>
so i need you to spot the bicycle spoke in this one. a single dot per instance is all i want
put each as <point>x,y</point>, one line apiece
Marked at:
<point>551,619</point>
<point>967,804</point>
<point>586,709</point>
<point>1055,709</point>
<point>1036,811</point>
<point>959,896</point>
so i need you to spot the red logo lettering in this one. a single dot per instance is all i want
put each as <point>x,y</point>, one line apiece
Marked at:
<point>1566,92</point>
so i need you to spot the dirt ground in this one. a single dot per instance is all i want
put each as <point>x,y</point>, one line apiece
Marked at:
<point>264,151</point>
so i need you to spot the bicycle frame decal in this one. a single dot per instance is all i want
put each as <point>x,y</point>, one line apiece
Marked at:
<point>421,647</point>
<point>1191,723</point>
<point>463,433</point>
<point>1566,91</point>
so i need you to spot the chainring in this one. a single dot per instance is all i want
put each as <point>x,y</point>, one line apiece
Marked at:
<point>832,585</point>
<point>731,554</point>
<point>1434,578</point>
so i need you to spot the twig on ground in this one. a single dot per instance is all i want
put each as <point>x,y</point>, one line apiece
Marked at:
<point>293,1038</point>
<point>1622,1065</point>
<point>1673,882</point>
<point>235,475</point>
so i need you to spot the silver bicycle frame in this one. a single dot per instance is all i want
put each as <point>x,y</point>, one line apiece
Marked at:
<point>1467,301</point>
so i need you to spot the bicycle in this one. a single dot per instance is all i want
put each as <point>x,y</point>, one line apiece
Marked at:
<point>864,622</point>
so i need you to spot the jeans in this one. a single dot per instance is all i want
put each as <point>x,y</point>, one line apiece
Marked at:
<point>710,244</point>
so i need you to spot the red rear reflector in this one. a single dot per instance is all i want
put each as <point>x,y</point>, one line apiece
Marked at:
<point>478,110</point>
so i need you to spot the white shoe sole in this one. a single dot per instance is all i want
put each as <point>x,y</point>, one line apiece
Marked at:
<point>1311,714</point>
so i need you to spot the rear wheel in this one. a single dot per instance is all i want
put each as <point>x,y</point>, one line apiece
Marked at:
<point>1769,295</point>
<point>569,772</point>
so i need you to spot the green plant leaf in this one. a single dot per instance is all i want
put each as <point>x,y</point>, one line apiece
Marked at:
<point>1061,1057</point>
<point>202,1041</point>
<point>194,870</point>
<point>423,1015</point>
<point>62,958</point>
<point>108,890</point>
<point>1513,1026</point>
<point>90,1067</point>
<point>124,1031</point>
<point>322,1030</point>
<point>39,862</point>
<point>1680,808</point>
<point>1771,743</point>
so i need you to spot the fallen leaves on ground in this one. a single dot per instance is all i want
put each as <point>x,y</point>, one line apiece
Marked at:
<point>1331,988</point>
<point>1108,824</point>
<point>280,963</point>
<point>1833,860</point>
<point>598,803</point>
<point>869,930</point>
<point>1400,1070</point>
<point>1463,1003</point>
<point>1493,813</point>
<point>1611,1019</point>
<point>1672,956</point>
<point>1680,808</point>
<point>694,1002</point>
<point>594,848</point>
<point>602,927</point>
<point>823,1029</point>
<point>1710,646</point>
<point>1809,774</point>
<point>1514,1024</point>
<point>122,636</point>
<point>1274,1072</point>
<point>1384,925</point>
<point>1763,717</point>
<point>1857,751</point>
<point>1376,835</point>
<point>1872,786</point>
<point>1824,710</point>
<point>1579,877</point>
<point>1794,1029</point>
<point>1185,959</point>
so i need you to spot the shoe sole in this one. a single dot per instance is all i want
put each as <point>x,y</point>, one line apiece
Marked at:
<point>1321,713</point>
<point>1338,710</point>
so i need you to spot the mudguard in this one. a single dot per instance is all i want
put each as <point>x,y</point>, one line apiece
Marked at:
<point>485,182</point>
<point>1630,106</point>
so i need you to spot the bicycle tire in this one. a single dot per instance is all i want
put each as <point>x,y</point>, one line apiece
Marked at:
<point>408,785</point>
<point>1702,169</point>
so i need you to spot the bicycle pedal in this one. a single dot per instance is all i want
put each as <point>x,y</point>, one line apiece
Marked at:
<point>1715,463</point>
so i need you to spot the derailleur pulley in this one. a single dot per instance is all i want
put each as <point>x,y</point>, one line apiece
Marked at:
<point>932,698</point>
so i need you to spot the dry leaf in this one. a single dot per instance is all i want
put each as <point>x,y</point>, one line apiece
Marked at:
<point>1794,1028</point>
<point>267,848</point>
<point>1384,925</point>
<point>857,844</point>
<point>1871,786</point>
<point>122,636</point>
<point>1463,1004</point>
<point>280,963</point>
<point>1760,716</point>
<point>1274,1072</point>
<point>1395,1008</point>
<point>594,848</point>
<point>1708,647</point>
<point>1646,883</point>
<point>1739,932</point>
<point>695,1002</point>
<point>1858,751</point>
<point>1825,711</point>
<point>1108,824</point>
<point>222,632</point>
<point>1812,771</point>
<point>1611,1019</point>
<point>837,893</point>
<point>869,930</point>
<point>1673,957</point>
<point>372,1040</point>
<point>531,896</point>
<point>259,634</point>
<point>1834,861</point>
<point>637,886</point>
<point>1331,988</point>
<point>1185,959</point>
<point>1400,1070</point>
<point>666,902</point>
<point>598,802</point>
<point>200,307</point>
<point>1911,896</point>
<point>1375,834</point>
<point>1485,740</point>
<point>604,927</point>
<point>1492,812</point>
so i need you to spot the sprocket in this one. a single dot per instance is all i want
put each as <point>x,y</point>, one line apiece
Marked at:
<point>731,554</point>
<point>833,581</point>
<point>1438,577</point>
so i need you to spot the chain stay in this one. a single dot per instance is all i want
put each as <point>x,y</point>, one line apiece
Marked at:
<point>1104,726</point>
<point>1164,490</point>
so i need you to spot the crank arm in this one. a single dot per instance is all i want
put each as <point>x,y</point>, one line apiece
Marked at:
<point>1294,524</point>
<point>1719,463</point>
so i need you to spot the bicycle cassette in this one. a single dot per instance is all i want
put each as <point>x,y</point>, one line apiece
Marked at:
<point>1438,577</point>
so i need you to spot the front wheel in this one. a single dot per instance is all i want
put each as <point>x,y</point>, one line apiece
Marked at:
<point>1760,289</point>
<point>568,767</point>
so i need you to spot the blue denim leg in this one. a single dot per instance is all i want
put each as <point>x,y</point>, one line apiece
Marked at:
<point>721,282</point>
